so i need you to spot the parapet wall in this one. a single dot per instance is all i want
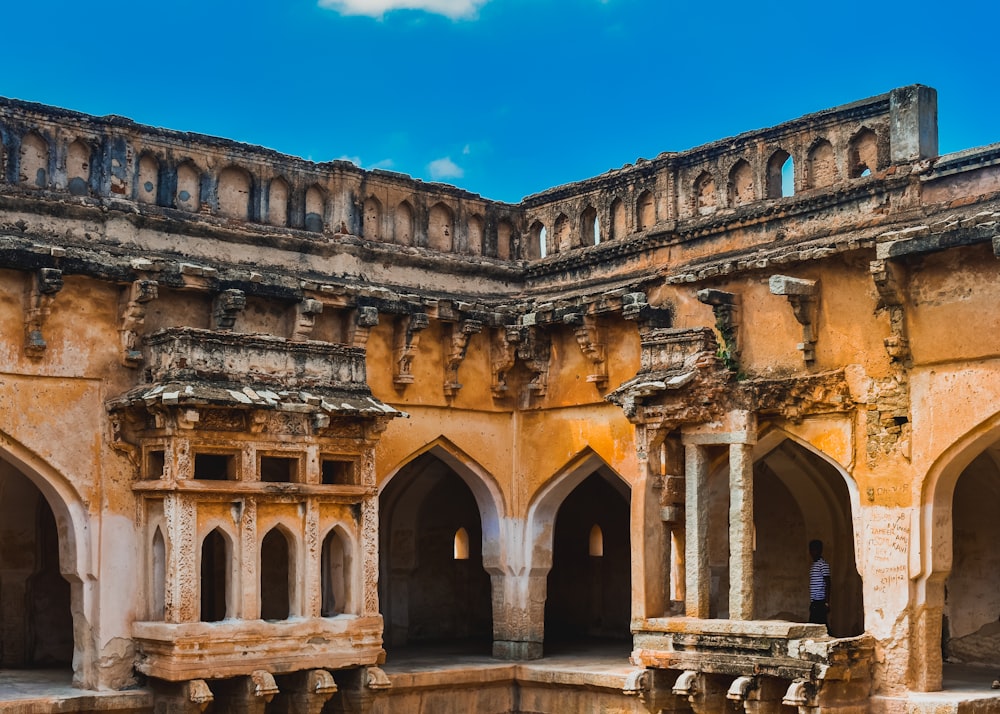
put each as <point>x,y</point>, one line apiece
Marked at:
<point>206,180</point>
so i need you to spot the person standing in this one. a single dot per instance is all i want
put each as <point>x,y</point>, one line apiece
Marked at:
<point>819,584</point>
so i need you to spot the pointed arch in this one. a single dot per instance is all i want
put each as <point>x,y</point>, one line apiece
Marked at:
<point>403,224</point>
<point>277,581</point>
<point>740,188</point>
<point>371,219</point>
<point>78,160</point>
<point>278,194</point>
<point>147,183</point>
<point>484,487</point>
<point>561,238</point>
<point>645,211</point>
<point>157,576</point>
<point>232,193</point>
<point>862,154</point>
<point>33,161</point>
<point>215,571</point>
<point>704,193</point>
<point>537,236</point>
<point>441,228</point>
<point>475,234</point>
<point>188,194</point>
<point>505,239</point>
<point>547,500</point>
<point>780,172</point>
<point>315,220</point>
<point>821,165</point>
<point>338,574</point>
<point>619,223</point>
<point>590,228</point>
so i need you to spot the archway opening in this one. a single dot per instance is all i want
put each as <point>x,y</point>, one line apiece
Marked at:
<point>36,622</point>
<point>336,575</point>
<point>970,632</point>
<point>799,497</point>
<point>588,594</point>
<point>275,576</point>
<point>215,566</point>
<point>428,596</point>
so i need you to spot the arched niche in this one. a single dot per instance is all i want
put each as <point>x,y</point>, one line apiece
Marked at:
<point>78,159</point>
<point>645,211</point>
<point>780,172</point>
<point>187,197</point>
<point>215,566</point>
<point>337,574</point>
<point>562,238</point>
<point>403,224</point>
<point>33,161</point>
<point>157,576</point>
<point>315,219</point>
<point>862,154</point>
<point>278,195</point>
<point>372,219</point>
<point>277,575</point>
<point>233,193</point>
<point>147,184</point>
<point>425,593</point>
<point>705,198</point>
<point>537,238</point>
<point>441,228</point>
<point>619,224</point>
<point>590,228</point>
<point>821,165</point>
<point>586,597</point>
<point>505,240</point>
<point>741,189</point>
<point>475,233</point>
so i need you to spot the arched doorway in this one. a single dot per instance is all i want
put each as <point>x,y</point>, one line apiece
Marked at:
<point>36,624</point>
<point>588,592</point>
<point>970,628</point>
<point>798,497</point>
<point>429,594</point>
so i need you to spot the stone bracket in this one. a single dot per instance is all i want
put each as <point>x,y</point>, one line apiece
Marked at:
<point>803,295</point>
<point>725,307</point>
<point>365,318</point>
<point>228,304</point>
<point>45,284</point>
<point>889,278</point>
<point>635,306</point>
<point>405,341</point>
<point>306,311</point>
<point>133,317</point>
<point>527,343</point>
<point>456,345</point>
<point>590,337</point>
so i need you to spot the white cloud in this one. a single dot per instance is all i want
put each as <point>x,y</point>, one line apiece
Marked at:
<point>377,8</point>
<point>356,160</point>
<point>467,149</point>
<point>445,168</point>
<point>383,164</point>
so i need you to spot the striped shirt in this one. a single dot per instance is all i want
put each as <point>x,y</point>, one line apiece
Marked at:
<point>818,572</point>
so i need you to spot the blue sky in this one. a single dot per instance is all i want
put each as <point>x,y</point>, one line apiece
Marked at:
<point>501,97</point>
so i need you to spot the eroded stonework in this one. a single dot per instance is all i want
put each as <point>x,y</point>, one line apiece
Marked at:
<point>266,423</point>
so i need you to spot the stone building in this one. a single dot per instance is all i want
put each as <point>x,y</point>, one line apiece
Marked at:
<point>266,424</point>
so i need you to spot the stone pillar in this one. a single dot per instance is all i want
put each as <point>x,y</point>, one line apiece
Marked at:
<point>357,690</point>
<point>311,597</point>
<point>180,600</point>
<point>369,557</point>
<point>741,532</point>
<point>696,532</point>
<point>191,697</point>
<point>913,129</point>
<point>518,614</point>
<point>244,591</point>
<point>304,692</point>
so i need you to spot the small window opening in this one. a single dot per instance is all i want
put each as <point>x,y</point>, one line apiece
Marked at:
<point>788,178</point>
<point>543,240</point>
<point>214,577</point>
<point>215,467</point>
<point>159,577</point>
<point>866,172</point>
<point>597,231</point>
<point>155,464</point>
<point>275,580</point>
<point>461,544</point>
<point>336,567</point>
<point>596,542</point>
<point>338,473</point>
<point>279,469</point>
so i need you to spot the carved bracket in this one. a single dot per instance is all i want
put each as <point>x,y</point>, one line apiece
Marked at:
<point>305,319</point>
<point>228,304</point>
<point>636,307</point>
<point>45,284</point>
<point>405,341</point>
<point>591,340</point>
<point>456,344</point>
<point>527,343</point>
<point>133,316</point>
<point>365,318</point>
<point>803,295</point>
<point>725,307</point>
<point>889,279</point>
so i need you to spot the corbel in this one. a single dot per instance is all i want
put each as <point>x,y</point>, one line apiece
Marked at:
<point>503,355</point>
<point>456,345</point>
<point>803,295</point>
<point>228,304</point>
<point>45,284</point>
<point>306,311</point>
<point>889,277</point>
<point>365,318</point>
<point>590,338</point>
<point>133,317</point>
<point>534,350</point>
<point>635,306</point>
<point>725,307</point>
<point>405,341</point>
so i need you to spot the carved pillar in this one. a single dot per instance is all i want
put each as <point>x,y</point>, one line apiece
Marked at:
<point>696,531</point>
<point>741,531</point>
<point>244,595</point>
<point>312,604</point>
<point>518,614</point>
<point>181,602</point>
<point>369,556</point>
<point>245,695</point>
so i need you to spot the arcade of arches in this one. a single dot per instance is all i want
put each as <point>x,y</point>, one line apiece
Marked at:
<point>281,436</point>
